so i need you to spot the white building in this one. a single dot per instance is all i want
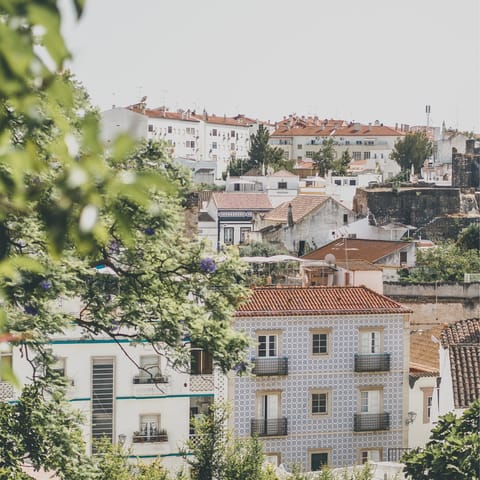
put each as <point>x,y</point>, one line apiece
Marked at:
<point>203,138</point>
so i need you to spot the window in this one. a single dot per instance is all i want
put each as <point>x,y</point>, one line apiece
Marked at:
<point>345,218</point>
<point>232,146</point>
<point>149,429</point>
<point>5,357</point>
<point>403,258</point>
<point>370,341</point>
<point>299,146</point>
<point>59,366</point>
<point>370,455</point>
<point>169,129</point>
<point>149,366</point>
<point>366,155</point>
<point>214,132</point>
<point>232,133</point>
<point>201,362</point>
<point>214,145</point>
<point>190,144</point>
<point>338,182</point>
<point>150,127</point>
<point>286,155</point>
<point>358,142</point>
<point>318,459</point>
<point>320,341</point>
<point>427,403</point>
<point>320,402</point>
<point>357,155</point>
<point>268,345</point>
<point>309,153</point>
<point>273,459</point>
<point>236,187</point>
<point>353,182</point>
<point>268,414</point>
<point>282,185</point>
<point>190,131</point>
<point>228,235</point>
<point>371,400</point>
<point>244,234</point>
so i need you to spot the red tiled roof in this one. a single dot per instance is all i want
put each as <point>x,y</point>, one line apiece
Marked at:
<point>238,121</point>
<point>301,301</point>
<point>283,173</point>
<point>463,341</point>
<point>302,205</point>
<point>424,359</point>
<point>242,201</point>
<point>336,129</point>
<point>357,249</point>
<point>358,265</point>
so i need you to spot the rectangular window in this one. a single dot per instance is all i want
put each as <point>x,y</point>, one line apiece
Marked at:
<point>228,235</point>
<point>268,420</point>
<point>214,145</point>
<point>282,185</point>
<point>214,132</point>
<point>320,342</point>
<point>309,154</point>
<point>427,403</point>
<point>403,258</point>
<point>286,155</point>
<point>190,131</point>
<point>59,366</point>
<point>201,362</point>
<point>370,341</point>
<point>149,366</point>
<point>232,133</point>
<point>299,146</point>
<point>268,345</point>
<point>244,234</point>
<point>370,455</point>
<point>318,459</point>
<point>366,155</point>
<point>371,400</point>
<point>358,142</point>
<point>273,459</point>
<point>357,155</point>
<point>190,144</point>
<point>338,182</point>
<point>353,182</point>
<point>319,402</point>
<point>236,187</point>
<point>169,129</point>
<point>232,146</point>
<point>149,428</point>
<point>345,218</point>
<point>150,127</point>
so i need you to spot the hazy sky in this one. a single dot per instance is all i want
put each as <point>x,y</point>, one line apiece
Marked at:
<point>362,60</point>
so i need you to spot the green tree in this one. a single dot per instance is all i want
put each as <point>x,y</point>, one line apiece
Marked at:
<point>469,238</point>
<point>325,157</point>
<point>215,455</point>
<point>68,207</point>
<point>340,166</point>
<point>452,452</point>
<point>445,262</point>
<point>413,149</point>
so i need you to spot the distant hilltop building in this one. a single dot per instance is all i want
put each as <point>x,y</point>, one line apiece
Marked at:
<point>466,166</point>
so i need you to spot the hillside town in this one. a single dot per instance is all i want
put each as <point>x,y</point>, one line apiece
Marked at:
<point>193,295</point>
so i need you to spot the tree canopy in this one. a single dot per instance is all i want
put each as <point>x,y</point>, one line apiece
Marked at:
<point>413,149</point>
<point>67,207</point>
<point>324,159</point>
<point>453,450</point>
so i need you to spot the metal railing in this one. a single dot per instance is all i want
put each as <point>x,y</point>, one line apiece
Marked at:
<point>364,422</point>
<point>268,427</point>
<point>395,454</point>
<point>156,437</point>
<point>143,379</point>
<point>264,366</point>
<point>372,362</point>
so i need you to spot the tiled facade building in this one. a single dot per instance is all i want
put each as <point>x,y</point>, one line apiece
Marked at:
<point>330,375</point>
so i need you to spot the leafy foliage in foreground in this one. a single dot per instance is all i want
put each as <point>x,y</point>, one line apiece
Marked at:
<point>453,451</point>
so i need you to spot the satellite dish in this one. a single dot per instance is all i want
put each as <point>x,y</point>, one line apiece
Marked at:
<point>330,258</point>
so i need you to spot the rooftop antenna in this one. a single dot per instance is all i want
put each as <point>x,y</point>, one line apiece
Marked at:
<point>427,112</point>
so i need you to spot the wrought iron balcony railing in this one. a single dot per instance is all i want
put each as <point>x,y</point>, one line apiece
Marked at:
<point>155,437</point>
<point>372,362</point>
<point>269,427</point>
<point>395,454</point>
<point>264,366</point>
<point>364,422</point>
<point>142,379</point>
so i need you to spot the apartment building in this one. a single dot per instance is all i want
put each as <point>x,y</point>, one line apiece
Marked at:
<point>210,139</point>
<point>330,375</point>
<point>129,393</point>
<point>302,137</point>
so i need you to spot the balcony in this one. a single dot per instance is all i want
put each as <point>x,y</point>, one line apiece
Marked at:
<point>266,366</point>
<point>153,437</point>
<point>145,379</point>
<point>268,427</point>
<point>366,422</point>
<point>372,362</point>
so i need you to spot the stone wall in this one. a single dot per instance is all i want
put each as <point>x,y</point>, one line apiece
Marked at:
<point>437,304</point>
<point>410,205</point>
<point>445,228</point>
<point>466,167</point>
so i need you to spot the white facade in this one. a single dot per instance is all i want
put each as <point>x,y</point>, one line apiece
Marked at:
<point>420,403</point>
<point>138,401</point>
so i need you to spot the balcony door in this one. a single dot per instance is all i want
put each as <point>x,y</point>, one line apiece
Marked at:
<point>370,401</point>
<point>268,411</point>
<point>267,346</point>
<point>370,341</point>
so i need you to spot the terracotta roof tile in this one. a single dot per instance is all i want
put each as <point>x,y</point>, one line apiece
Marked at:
<point>463,342</point>
<point>424,352</point>
<point>305,301</point>
<point>283,173</point>
<point>242,201</point>
<point>358,265</point>
<point>357,249</point>
<point>334,128</point>
<point>302,205</point>
<point>238,121</point>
